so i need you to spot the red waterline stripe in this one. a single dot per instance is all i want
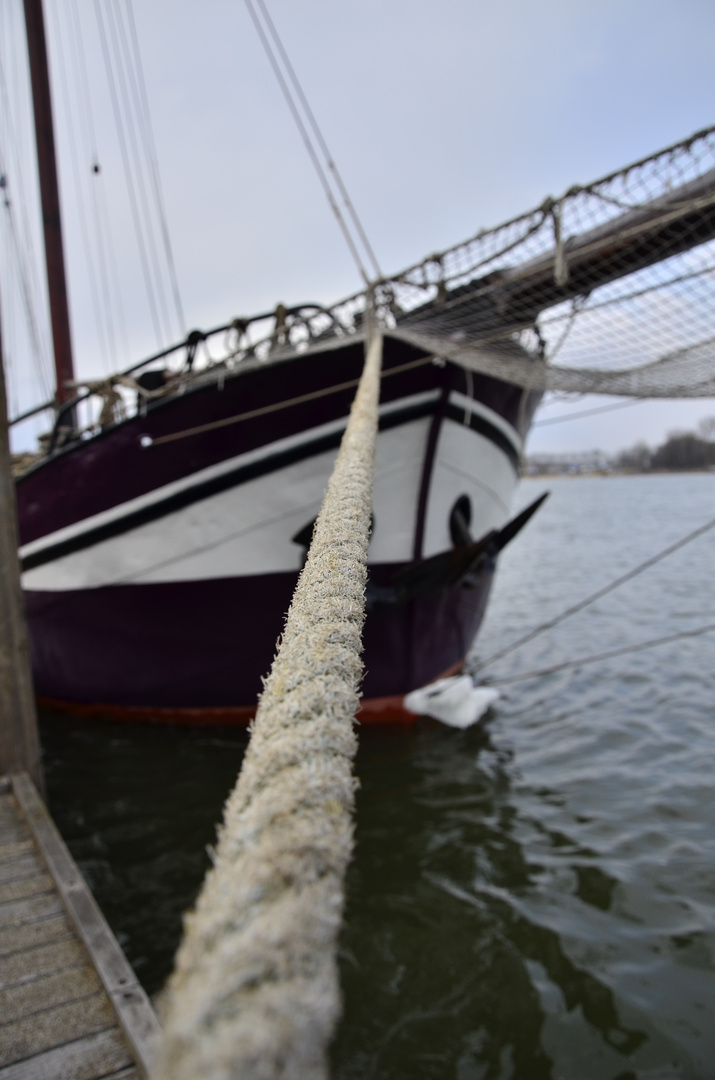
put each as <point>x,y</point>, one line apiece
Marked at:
<point>373,711</point>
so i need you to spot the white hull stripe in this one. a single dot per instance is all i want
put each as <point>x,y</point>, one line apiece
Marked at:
<point>230,474</point>
<point>491,418</point>
<point>483,427</point>
<point>203,476</point>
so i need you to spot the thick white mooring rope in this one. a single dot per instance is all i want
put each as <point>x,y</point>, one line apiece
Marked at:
<point>255,994</point>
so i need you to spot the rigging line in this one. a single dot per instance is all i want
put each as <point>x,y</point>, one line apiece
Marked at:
<point>141,141</point>
<point>27,298</point>
<point>106,230</point>
<point>7,330</point>
<point>86,115</point>
<point>23,242</point>
<point>277,406</point>
<point>129,96</point>
<point>319,136</point>
<point>588,412</point>
<point>576,309</point>
<point>603,656</point>
<point>533,222</point>
<point>595,596</point>
<point>621,204</point>
<point>127,173</point>
<point>307,142</point>
<point>79,59</point>
<point>84,229</point>
<point>111,285</point>
<point>115,285</point>
<point>155,173</point>
<point>588,249</point>
<point>627,297</point>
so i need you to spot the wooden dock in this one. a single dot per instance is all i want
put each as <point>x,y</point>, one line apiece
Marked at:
<point>71,1007</point>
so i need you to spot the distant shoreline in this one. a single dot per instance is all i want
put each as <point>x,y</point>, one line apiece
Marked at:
<point>567,474</point>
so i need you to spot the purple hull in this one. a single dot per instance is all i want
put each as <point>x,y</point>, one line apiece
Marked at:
<point>205,645</point>
<point>204,639</point>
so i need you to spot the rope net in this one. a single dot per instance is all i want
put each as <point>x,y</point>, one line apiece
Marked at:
<point>609,289</point>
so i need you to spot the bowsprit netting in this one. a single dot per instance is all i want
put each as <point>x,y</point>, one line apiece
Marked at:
<point>609,289</point>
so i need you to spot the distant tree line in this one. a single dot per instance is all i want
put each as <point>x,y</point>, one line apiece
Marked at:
<point>681,450</point>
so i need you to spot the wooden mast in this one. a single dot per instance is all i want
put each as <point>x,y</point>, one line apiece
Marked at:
<point>49,194</point>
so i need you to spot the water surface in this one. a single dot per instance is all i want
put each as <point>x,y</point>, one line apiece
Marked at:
<point>532,900</point>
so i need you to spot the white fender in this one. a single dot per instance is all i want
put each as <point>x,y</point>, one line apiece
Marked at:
<point>455,701</point>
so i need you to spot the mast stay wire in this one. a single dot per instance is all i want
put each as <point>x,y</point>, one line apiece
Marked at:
<point>473,668</point>
<point>112,308</point>
<point>141,147</point>
<point>103,227</point>
<point>84,228</point>
<point>305,135</point>
<point>329,160</point>
<point>128,173</point>
<point>587,412</point>
<point>150,149</point>
<point>26,292</point>
<point>21,241</point>
<point>129,98</point>
<point>609,655</point>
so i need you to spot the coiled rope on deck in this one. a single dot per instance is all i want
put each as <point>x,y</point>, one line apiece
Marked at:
<point>255,989</point>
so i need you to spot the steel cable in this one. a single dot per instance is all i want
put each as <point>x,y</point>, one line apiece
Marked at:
<point>550,623</point>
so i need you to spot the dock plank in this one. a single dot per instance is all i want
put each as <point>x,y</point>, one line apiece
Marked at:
<point>45,992</point>
<point>31,908</point>
<point>54,1027</point>
<point>28,935</point>
<point>13,849</point>
<point>9,817</point>
<point>130,1002</point>
<point>24,866</point>
<point>70,1005</point>
<point>13,831</point>
<point>19,888</point>
<point>101,1055</point>
<point>43,960</point>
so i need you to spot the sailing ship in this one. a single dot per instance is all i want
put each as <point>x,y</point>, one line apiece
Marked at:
<point>161,539</point>
<point>160,554</point>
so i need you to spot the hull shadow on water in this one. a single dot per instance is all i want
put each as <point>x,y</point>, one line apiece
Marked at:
<point>439,966</point>
<point>438,962</point>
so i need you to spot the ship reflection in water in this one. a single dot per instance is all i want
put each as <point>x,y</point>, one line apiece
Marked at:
<point>531,900</point>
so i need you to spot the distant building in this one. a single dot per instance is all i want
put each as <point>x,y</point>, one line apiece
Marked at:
<point>590,461</point>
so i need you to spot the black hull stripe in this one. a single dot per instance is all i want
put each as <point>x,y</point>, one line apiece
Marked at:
<point>242,473</point>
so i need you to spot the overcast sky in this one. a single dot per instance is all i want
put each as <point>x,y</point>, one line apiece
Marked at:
<point>442,117</point>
